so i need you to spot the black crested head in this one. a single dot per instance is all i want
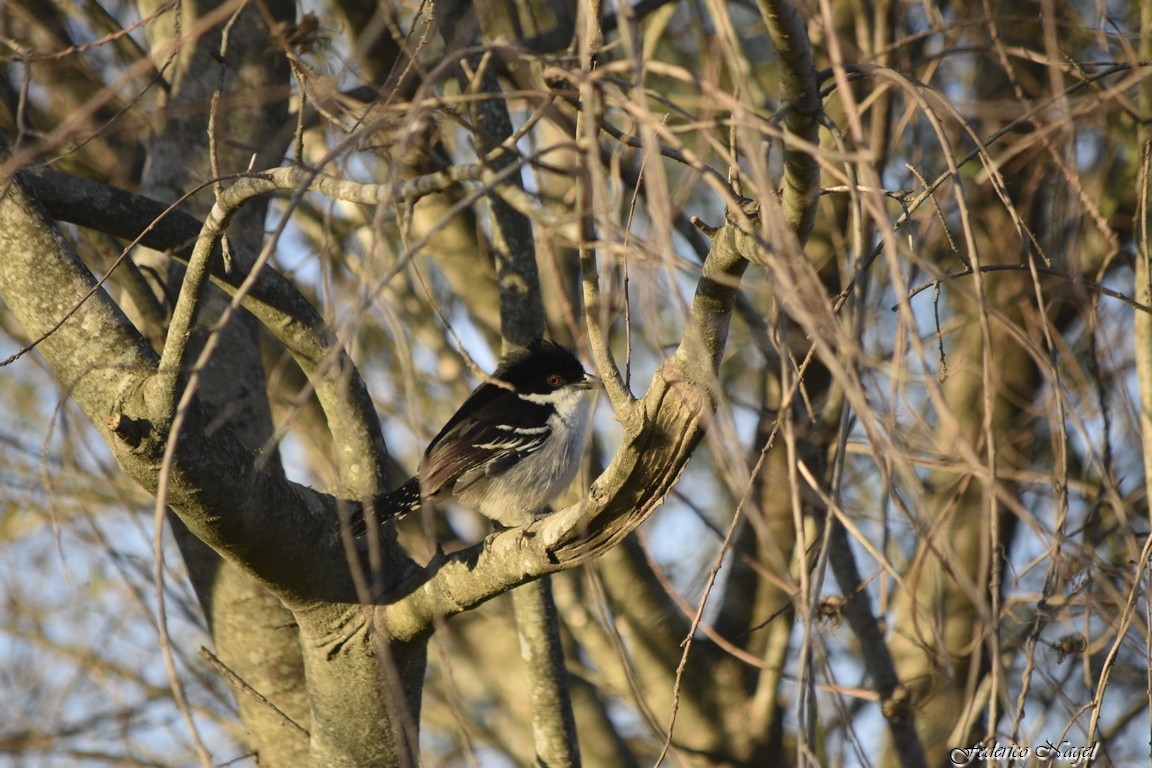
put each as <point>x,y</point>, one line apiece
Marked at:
<point>541,367</point>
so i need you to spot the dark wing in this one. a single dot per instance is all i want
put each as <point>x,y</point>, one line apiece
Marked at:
<point>492,431</point>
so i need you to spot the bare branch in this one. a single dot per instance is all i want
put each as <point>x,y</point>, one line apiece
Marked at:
<point>800,93</point>
<point>287,314</point>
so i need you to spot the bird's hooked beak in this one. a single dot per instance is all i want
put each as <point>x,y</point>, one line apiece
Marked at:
<point>590,381</point>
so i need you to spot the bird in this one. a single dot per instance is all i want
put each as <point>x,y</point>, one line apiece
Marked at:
<point>511,448</point>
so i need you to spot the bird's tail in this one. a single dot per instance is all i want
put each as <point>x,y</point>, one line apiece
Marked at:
<point>396,503</point>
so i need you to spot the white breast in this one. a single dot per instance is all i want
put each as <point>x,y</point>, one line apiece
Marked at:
<point>525,488</point>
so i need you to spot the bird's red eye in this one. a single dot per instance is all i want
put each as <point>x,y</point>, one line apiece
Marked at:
<point>554,380</point>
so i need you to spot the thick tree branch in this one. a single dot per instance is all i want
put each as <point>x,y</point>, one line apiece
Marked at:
<point>176,370</point>
<point>42,280</point>
<point>1142,280</point>
<point>538,630</point>
<point>273,300</point>
<point>107,374</point>
<point>589,185</point>
<point>800,93</point>
<point>513,244</point>
<point>276,532</point>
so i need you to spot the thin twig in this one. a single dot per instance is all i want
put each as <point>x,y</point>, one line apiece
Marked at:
<point>238,682</point>
<point>1075,279</point>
